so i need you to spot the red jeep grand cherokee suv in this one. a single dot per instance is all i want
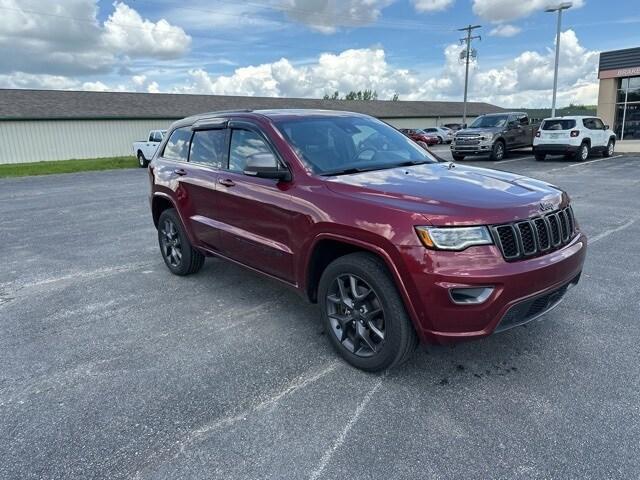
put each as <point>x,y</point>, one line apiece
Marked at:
<point>394,246</point>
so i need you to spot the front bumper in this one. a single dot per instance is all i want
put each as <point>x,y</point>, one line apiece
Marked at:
<point>516,285</point>
<point>479,149</point>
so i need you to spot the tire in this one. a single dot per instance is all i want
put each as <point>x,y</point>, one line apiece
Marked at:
<point>440,140</point>
<point>582,153</point>
<point>381,311</point>
<point>457,157</point>
<point>498,152</point>
<point>142,162</point>
<point>171,239</point>
<point>540,157</point>
<point>610,150</point>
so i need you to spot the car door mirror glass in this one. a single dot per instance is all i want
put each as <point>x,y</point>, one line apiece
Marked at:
<point>265,165</point>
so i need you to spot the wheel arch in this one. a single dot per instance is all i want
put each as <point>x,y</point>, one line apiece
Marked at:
<point>328,247</point>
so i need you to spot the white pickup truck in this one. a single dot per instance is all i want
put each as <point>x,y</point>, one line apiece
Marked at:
<point>144,150</point>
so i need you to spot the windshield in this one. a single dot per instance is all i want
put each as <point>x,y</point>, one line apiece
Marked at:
<point>334,145</point>
<point>490,121</point>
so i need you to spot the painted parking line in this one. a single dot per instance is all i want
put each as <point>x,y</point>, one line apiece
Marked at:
<point>514,160</point>
<point>580,164</point>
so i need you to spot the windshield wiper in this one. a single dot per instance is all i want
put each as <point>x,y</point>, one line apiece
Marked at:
<point>347,171</point>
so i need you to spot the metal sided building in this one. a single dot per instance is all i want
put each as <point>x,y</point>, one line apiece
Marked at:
<point>39,125</point>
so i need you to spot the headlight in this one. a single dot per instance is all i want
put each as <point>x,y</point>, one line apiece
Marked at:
<point>453,238</point>
<point>488,136</point>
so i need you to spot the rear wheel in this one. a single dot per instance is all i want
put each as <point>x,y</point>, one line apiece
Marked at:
<point>608,152</point>
<point>178,254</point>
<point>364,314</point>
<point>582,153</point>
<point>540,157</point>
<point>142,162</point>
<point>498,152</point>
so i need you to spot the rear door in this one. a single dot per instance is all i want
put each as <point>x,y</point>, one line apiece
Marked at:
<point>255,214</point>
<point>188,168</point>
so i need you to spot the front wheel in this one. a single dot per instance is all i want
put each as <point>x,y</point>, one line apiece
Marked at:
<point>457,157</point>
<point>142,162</point>
<point>440,140</point>
<point>178,253</point>
<point>540,157</point>
<point>610,149</point>
<point>363,313</point>
<point>498,152</point>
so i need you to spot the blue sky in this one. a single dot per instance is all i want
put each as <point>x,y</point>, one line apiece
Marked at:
<point>311,47</point>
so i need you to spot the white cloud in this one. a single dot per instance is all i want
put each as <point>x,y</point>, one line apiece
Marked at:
<point>67,39</point>
<point>353,69</point>
<point>507,10</point>
<point>505,30</point>
<point>95,87</point>
<point>526,80</point>
<point>326,16</point>
<point>126,32</point>
<point>432,5</point>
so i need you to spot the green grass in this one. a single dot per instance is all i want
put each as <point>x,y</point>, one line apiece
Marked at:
<point>66,166</point>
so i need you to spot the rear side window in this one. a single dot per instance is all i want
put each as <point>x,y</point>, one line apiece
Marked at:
<point>244,145</point>
<point>177,148</point>
<point>157,137</point>
<point>560,124</point>
<point>208,147</point>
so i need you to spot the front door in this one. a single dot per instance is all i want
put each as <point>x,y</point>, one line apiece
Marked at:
<point>254,214</point>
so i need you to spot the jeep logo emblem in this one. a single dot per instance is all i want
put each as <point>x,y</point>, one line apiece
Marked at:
<point>544,206</point>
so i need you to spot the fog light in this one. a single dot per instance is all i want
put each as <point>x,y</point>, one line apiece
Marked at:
<point>471,295</point>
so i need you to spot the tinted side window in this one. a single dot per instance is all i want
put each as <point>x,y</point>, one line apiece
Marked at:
<point>157,137</point>
<point>177,148</point>
<point>208,147</point>
<point>597,123</point>
<point>523,119</point>
<point>150,137</point>
<point>244,145</point>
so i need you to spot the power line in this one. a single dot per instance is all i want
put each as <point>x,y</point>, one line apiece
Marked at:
<point>467,41</point>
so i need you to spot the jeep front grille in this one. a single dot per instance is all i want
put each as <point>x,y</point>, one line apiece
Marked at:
<point>535,236</point>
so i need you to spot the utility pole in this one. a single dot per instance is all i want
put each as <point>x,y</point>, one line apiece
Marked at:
<point>467,41</point>
<point>559,8</point>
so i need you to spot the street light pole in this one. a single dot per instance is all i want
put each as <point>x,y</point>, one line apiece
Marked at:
<point>559,9</point>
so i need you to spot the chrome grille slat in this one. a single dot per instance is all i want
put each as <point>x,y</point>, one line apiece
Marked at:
<point>535,236</point>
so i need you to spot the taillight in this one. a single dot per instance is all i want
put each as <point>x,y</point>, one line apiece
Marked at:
<point>575,133</point>
<point>538,134</point>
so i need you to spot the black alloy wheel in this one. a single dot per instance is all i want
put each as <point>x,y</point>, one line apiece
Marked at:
<point>177,252</point>
<point>356,315</point>
<point>364,314</point>
<point>170,243</point>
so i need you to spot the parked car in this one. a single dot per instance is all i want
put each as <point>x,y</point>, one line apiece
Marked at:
<point>575,137</point>
<point>443,135</point>
<point>145,149</point>
<point>453,126</point>
<point>394,246</point>
<point>494,135</point>
<point>420,136</point>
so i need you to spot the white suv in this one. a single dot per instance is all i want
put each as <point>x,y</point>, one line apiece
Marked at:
<point>574,137</point>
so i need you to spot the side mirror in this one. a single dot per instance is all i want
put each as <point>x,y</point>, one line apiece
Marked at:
<point>265,165</point>
<point>463,126</point>
<point>606,127</point>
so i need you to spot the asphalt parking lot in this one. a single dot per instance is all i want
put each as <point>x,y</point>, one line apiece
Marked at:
<point>110,367</point>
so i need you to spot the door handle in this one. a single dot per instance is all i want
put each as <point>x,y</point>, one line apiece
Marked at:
<point>180,171</point>
<point>227,182</point>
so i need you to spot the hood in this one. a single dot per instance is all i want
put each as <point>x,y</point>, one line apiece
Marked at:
<point>461,195</point>
<point>479,130</point>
